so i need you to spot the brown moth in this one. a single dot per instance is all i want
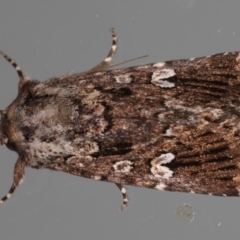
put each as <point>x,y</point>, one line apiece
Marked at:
<point>171,125</point>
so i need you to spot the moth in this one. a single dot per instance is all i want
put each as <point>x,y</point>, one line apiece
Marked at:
<point>171,125</point>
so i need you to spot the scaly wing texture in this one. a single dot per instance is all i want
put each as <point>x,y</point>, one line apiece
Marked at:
<point>171,125</point>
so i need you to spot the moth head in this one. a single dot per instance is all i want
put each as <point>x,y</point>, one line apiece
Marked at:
<point>3,137</point>
<point>8,130</point>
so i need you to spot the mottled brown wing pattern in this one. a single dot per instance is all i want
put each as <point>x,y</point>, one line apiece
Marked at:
<point>178,133</point>
<point>170,125</point>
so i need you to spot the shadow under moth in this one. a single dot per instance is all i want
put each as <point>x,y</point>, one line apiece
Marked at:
<point>171,125</point>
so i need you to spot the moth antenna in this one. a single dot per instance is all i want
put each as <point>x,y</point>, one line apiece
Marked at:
<point>18,179</point>
<point>124,194</point>
<point>105,64</point>
<point>130,60</point>
<point>14,64</point>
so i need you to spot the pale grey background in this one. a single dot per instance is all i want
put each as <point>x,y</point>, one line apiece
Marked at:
<point>49,38</point>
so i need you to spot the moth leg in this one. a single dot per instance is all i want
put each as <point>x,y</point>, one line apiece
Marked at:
<point>105,64</point>
<point>124,194</point>
<point>18,177</point>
